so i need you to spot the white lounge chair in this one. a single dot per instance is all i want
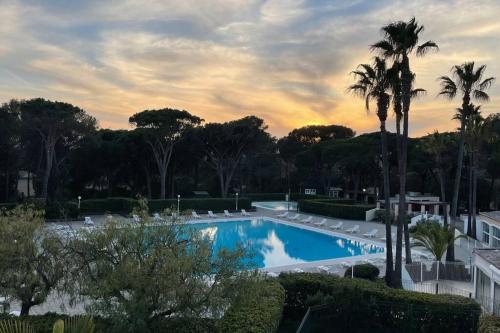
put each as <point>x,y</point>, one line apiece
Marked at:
<point>244,213</point>
<point>272,274</point>
<point>337,226</point>
<point>371,233</point>
<point>88,221</point>
<point>227,213</point>
<point>295,217</point>
<point>157,217</point>
<point>211,214</point>
<point>136,218</point>
<point>307,219</point>
<point>324,269</point>
<point>298,270</point>
<point>320,223</point>
<point>345,264</point>
<point>285,214</point>
<point>353,230</point>
<point>195,215</point>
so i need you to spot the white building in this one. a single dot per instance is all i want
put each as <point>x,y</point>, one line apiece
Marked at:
<point>487,279</point>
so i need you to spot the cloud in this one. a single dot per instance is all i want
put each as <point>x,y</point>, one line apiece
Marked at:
<point>285,61</point>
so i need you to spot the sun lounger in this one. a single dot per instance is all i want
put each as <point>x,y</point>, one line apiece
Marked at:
<point>272,274</point>
<point>298,270</point>
<point>136,218</point>
<point>227,213</point>
<point>295,217</point>
<point>88,221</point>
<point>324,269</point>
<point>320,223</point>
<point>307,219</point>
<point>195,215</point>
<point>345,264</point>
<point>285,214</point>
<point>244,213</point>
<point>371,233</point>
<point>337,226</point>
<point>156,217</point>
<point>353,230</point>
<point>211,214</point>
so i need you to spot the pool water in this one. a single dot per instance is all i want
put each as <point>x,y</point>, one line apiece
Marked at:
<point>276,205</point>
<point>277,244</point>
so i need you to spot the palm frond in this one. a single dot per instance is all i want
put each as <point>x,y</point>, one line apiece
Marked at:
<point>480,95</point>
<point>426,47</point>
<point>486,83</point>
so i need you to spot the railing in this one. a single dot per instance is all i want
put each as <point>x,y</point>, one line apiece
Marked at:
<point>431,270</point>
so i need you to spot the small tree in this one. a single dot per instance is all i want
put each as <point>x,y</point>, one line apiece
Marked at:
<point>30,257</point>
<point>138,275</point>
<point>434,237</point>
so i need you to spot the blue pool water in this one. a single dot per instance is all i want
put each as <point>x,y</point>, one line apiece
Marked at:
<point>276,205</point>
<point>276,244</point>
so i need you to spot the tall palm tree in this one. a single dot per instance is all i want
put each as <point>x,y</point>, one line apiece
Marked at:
<point>437,145</point>
<point>469,82</point>
<point>373,83</point>
<point>401,39</point>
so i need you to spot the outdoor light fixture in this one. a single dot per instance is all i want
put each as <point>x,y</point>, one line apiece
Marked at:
<point>178,203</point>
<point>79,199</point>
<point>237,200</point>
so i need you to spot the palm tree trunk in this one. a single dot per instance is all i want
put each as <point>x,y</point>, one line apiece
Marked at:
<point>474,194</point>
<point>469,203</point>
<point>387,206</point>
<point>450,253</point>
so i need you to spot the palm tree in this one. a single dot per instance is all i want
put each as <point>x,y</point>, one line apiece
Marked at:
<point>400,41</point>
<point>373,83</point>
<point>469,82</point>
<point>437,145</point>
<point>434,237</point>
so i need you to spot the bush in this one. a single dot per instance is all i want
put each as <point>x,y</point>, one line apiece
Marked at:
<point>200,205</point>
<point>109,205</point>
<point>58,210</point>
<point>489,324</point>
<point>256,312</point>
<point>356,305</point>
<point>327,208</point>
<point>363,271</point>
<point>44,323</point>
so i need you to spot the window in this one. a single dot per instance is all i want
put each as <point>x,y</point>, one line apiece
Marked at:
<point>483,289</point>
<point>495,236</point>
<point>486,233</point>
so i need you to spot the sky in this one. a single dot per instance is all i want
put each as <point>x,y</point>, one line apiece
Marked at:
<point>288,62</point>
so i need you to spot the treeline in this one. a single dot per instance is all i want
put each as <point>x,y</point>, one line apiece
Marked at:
<point>172,152</point>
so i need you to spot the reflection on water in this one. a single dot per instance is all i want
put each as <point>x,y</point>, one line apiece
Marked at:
<point>275,244</point>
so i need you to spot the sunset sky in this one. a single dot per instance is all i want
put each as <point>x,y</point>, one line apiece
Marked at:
<point>285,61</point>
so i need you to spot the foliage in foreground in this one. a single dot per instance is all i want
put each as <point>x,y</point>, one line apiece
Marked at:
<point>354,305</point>
<point>31,264</point>
<point>139,274</point>
<point>489,324</point>
<point>363,271</point>
<point>434,237</point>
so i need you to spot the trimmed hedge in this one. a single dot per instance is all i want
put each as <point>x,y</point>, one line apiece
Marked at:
<point>126,205</point>
<point>489,324</point>
<point>345,211</point>
<point>363,271</point>
<point>354,305</point>
<point>259,312</point>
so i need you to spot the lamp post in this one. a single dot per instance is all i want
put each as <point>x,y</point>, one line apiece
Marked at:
<point>178,203</point>
<point>79,199</point>
<point>237,201</point>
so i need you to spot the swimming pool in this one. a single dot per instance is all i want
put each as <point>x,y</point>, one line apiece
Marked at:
<point>277,244</point>
<point>276,205</point>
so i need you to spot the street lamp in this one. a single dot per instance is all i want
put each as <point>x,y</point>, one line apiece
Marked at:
<point>79,199</point>
<point>178,203</point>
<point>237,201</point>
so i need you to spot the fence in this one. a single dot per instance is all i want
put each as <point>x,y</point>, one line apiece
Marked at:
<point>431,270</point>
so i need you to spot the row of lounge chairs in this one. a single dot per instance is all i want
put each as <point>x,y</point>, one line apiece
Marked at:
<point>338,226</point>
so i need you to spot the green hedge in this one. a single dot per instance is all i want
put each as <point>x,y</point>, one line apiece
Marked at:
<point>354,305</point>
<point>363,271</point>
<point>326,208</point>
<point>200,205</point>
<point>126,205</point>
<point>256,312</point>
<point>489,324</point>
<point>53,210</point>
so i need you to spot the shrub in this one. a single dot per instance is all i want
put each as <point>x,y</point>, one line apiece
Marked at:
<point>356,305</point>
<point>346,211</point>
<point>489,324</point>
<point>202,204</point>
<point>257,311</point>
<point>61,210</point>
<point>109,205</point>
<point>363,271</point>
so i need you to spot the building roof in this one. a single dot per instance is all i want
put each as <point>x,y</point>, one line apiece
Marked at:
<point>492,256</point>
<point>494,215</point>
